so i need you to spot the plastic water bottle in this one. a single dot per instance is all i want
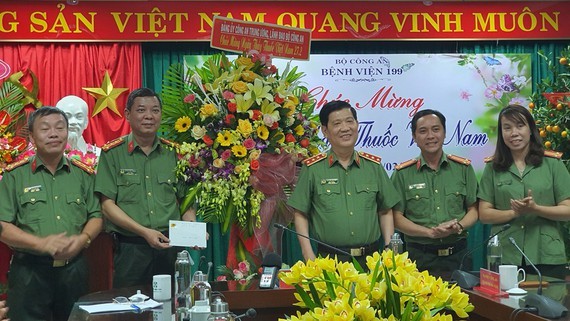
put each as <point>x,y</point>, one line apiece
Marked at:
<point>494,254</point>
<point>396,244</point>
<point>182,275</point>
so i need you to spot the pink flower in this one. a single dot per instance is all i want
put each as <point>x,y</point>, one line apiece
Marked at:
<point>304,97</point>
<point>228,95</point>
<point>249,143</point>
<point>493,92</point>
<point>238,275</point>
<point>226,154</point>
<point>222,278</point>
<point>189,98</point>
<point>243,266</point>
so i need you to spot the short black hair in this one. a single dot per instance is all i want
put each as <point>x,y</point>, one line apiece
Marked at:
<point>426,112</point>
<point>42,112</point>
<point>332,106</point>
<point>141,92</point>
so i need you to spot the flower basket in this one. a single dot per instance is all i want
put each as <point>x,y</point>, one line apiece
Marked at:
<point>393,290</point>
<point>242,126</point>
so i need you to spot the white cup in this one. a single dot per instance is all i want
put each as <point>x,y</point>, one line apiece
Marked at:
<point>164,314</point>
<point>161,288</point>
<point>509,275</point>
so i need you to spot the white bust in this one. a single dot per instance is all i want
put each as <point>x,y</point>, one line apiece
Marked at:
<point>76,111</point>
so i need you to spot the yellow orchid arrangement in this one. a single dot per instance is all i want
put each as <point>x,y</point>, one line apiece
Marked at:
<point>227,117</point>
<point>393,290</point>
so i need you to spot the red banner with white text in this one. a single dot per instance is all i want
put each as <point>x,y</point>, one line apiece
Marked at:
<point>347,20</point>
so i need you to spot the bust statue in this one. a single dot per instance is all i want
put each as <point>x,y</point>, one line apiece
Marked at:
<point>76,111</point>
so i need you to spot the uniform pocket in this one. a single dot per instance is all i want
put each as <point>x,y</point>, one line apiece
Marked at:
<point>33,205</point>
<point>418,202</point>
<point>328,196</point>
<point>366,194</point>
<point>167,183</point>
<point>455,199</point>
<point>129,189</point>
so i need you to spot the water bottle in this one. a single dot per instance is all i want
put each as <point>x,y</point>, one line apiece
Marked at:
<point>494,254</point>
<point>396,244</point>
<point>182,275</point>
<point>219,310</point>
<point>201,289</point>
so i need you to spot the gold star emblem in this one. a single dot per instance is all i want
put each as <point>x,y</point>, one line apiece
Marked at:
<point>106,95</point>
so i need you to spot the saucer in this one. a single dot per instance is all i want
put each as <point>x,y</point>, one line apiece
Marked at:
<point>516,291</point>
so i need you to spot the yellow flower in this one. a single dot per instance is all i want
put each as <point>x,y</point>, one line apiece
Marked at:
<point>293,99</point>
<point>224,138</point>
<point>242,105</point>
<point>239,151</point>
<point>254,154</point>
<point>244,127</point>
<point>245,62</point>
<point>183,124</point>
<point>258,91</point>
<point>289,105</point>
<point>299,130</point>
<point>248,75</point>
<point>262,132</point>
<point>239,87</point>
<point>208,110</point>
<point>219,163</point>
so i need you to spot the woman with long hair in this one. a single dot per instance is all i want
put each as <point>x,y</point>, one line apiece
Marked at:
<point>527,187</point>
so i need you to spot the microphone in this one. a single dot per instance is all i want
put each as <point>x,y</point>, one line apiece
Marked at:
<point>270,268</point>
<point>464,279</point>
<point>250,313</point>
<point>336,249</point>
<point>546,307</point>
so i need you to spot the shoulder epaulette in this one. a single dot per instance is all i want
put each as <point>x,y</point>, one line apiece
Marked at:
<point>169,143</point>
<point>17,164</point>
<point>113,143</point>
<point>460,160</point>
<point>553,154</point>
<point>406,164</point>
<point>314,159</point>
<point>488,159</point>
<point>83,166</point>
<point>370,157</point>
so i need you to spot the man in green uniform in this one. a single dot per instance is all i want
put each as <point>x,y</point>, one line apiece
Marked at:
<point>344,197</point>
<point>139,193</point>
<point>438,199</point>
<point>49,214</point>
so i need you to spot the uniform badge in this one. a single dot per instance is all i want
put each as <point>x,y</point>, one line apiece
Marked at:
<point>32,189</point>
<point>417,186</point>
<point>329,181</point>
<point>127,171</point>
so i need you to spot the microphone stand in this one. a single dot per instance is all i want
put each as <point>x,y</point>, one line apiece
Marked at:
<point>336,249</point>
<point>546,306</point>
<point>467,280</point>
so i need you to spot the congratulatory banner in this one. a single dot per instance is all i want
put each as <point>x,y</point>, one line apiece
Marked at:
<point>347,20</point>
<point>388,90</point>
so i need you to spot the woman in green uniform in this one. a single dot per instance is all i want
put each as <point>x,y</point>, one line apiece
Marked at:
<point>526,186</point>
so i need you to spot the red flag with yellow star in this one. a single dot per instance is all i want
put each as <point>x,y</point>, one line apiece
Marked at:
<point>107,71</point>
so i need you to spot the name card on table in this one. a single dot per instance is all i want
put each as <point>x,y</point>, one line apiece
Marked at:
<point>490,283</point>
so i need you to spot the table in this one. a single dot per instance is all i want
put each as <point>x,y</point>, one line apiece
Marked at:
<point>273,304</point>
<point>269,304</point>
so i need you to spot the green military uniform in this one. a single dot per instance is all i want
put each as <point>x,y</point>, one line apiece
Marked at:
<point>342,204</point>
<point>41,203</point>
<point>540,238</point>
<point>146,188</point>
<point>430,197</point>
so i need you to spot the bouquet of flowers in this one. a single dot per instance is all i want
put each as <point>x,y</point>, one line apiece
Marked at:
<point>11,119</point>
<point>242,126</point>
<point>242,273</point>
<point>393,290</point>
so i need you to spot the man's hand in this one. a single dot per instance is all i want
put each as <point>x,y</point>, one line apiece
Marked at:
<point>74,247</point>
<point>445,229</point>
<point>54,244</point>
<point>156,240</point>
<point>3,311</point>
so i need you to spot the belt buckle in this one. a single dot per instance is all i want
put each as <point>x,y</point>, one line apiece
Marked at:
<point>357,251</point>
<point>59,263</point>
<point>445,252</point>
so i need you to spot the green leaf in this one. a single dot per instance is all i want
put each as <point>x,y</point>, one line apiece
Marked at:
<point>305,297</point>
